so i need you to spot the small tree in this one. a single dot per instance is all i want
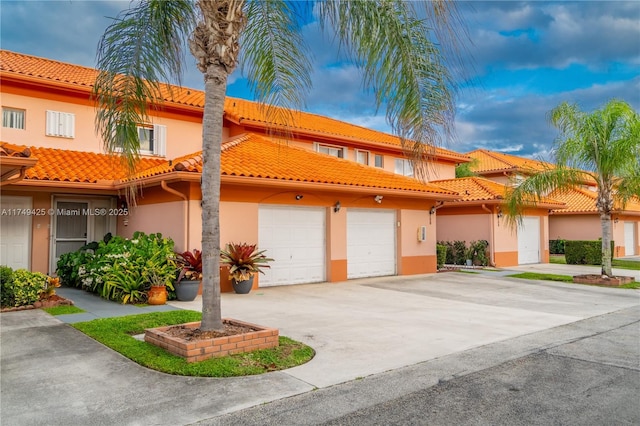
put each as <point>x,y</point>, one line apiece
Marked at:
<point>602,147</point>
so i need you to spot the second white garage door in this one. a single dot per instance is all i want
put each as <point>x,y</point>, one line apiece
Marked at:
<point>295,238</point>
<point>629,239</point>
<point>529,240</point>
<point>371,243</point>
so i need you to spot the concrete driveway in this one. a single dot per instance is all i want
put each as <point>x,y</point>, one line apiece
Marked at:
<point>369,326</point>
<point>53,374</point>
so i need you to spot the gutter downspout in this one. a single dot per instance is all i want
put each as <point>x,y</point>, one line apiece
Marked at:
<point>23,173</point>
<point>187,211</point>
<point>492,261</point>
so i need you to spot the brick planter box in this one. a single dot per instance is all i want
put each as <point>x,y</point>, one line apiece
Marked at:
<point>199,350</point>
<point>599,280</point>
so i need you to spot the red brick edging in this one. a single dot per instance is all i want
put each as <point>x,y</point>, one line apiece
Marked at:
<point>599,280</point>
<point>193,351</point>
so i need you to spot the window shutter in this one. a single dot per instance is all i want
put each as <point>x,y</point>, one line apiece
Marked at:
<point>160,140</point>
<point>60,124</point>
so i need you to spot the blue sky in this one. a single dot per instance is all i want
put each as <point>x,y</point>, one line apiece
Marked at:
<point>528,57</point>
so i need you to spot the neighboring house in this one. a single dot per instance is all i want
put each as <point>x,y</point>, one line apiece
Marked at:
<point>478,215</point>
<point>579,220</point>
<point>333,202</point>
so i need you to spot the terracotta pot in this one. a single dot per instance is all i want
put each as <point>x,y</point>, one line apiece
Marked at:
<point>157,295</point>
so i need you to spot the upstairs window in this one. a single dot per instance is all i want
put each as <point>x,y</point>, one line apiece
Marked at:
<point>13,118</point>
<point>336,151</point>
<point>153,140</point>
<point>379,161</point>
<point>362,157</point>
<point>60,124</point>
<point>403,167</point>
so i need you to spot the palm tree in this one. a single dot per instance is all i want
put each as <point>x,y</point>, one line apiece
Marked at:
<point>601,147</point>
<point>392,42</point>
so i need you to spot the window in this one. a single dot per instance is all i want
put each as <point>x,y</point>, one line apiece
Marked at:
<point>13,118</point>
<point>403,167</point>
<point>379,161</point>
<point>362,157</point>
<point>335,151</point>
<point>145,136</point>
<point>60,124</point>
<point>153,140</point>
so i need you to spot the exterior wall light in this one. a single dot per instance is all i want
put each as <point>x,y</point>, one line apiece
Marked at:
<point>336,207</point>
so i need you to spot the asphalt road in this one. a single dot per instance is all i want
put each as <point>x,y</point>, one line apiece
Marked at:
<point>591,379</point>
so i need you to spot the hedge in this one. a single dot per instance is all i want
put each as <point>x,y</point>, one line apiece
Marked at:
<point>442,255</point>
<point>584,252</point>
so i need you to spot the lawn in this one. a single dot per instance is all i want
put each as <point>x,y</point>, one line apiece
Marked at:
<point>563,278</point>
<point>63,310</point>
<point>117,333</point>
<point>616,263</point>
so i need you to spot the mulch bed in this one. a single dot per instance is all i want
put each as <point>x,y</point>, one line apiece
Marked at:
<point>49,302</point>
<point>191,334</point>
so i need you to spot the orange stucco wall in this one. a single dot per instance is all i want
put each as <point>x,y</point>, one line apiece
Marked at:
<point>183,136</point>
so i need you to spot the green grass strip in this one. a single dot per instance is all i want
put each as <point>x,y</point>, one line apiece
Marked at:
<point>63,310</point>
<point>545,277</point>
<point>565,278</point>
<point>116,333</point>
<point>632,265</point>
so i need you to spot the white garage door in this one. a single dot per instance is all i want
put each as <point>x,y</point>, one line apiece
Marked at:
<point>529,240</point>
<point>371,243</point>
<point>629,239</point>
<point>15,232</point>
<point>295,238</point>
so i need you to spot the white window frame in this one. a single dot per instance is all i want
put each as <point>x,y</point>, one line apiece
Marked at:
<point>329,149</point>
<point>375,161</point>
<point>60,124</point>
<point>15,118</point>
<point>367,157</point>
<point>158,140</point>
<point>403,167</point>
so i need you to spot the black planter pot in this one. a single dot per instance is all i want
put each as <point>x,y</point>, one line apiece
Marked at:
<point>243,287</point>
<point>187,290</point>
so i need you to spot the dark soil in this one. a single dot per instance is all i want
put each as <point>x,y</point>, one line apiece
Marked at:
<point>190,334</point>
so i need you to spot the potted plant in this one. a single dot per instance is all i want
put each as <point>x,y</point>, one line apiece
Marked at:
<point>160,272</point>
<point>189,275</point>
<point>244,261</point>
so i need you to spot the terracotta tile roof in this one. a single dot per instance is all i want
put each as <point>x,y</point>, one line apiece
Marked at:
<point>75,166</point>
<point>254,156</point>
<point>10,150</point>
<point>491,162</point>
<point>237,110</point>
<point>480,189</point>
<point>474,188</point>
<point>580,200</point>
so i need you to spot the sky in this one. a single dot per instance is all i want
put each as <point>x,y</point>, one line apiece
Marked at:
<point>527,57</point>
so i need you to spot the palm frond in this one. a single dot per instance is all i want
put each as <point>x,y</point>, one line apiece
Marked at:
<point>402,65</point>
<point>141,48</point>
<point>276,58</point>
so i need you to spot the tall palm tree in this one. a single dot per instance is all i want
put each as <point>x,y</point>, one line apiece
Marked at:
<point>602,147</point>
<point>393,42</point>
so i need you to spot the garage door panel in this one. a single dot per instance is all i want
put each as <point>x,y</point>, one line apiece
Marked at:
<point>15,233</point>
<point>529,240</point>
<point>629,239</point>
<point>295,238</point>
<point>371,249</point>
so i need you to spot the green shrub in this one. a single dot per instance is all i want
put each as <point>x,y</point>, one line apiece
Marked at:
<point>459,252</point>
<point>556,246</point>
<point>442,254</point>
<point>6,286</point>
<point>584,252</point>
<point>121,269</point>
<point>27,287</point>
<point>477,252</point>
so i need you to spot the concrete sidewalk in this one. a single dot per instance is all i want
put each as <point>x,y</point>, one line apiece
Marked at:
<point>358,328</point>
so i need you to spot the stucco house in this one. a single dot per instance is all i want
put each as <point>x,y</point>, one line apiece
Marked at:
<point>579,219</point>
<point>478,215</point>
<point>333,202</point>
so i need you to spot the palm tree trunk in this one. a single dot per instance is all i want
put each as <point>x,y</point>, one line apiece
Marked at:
<point>605,220</point>
<point>215,88</point>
